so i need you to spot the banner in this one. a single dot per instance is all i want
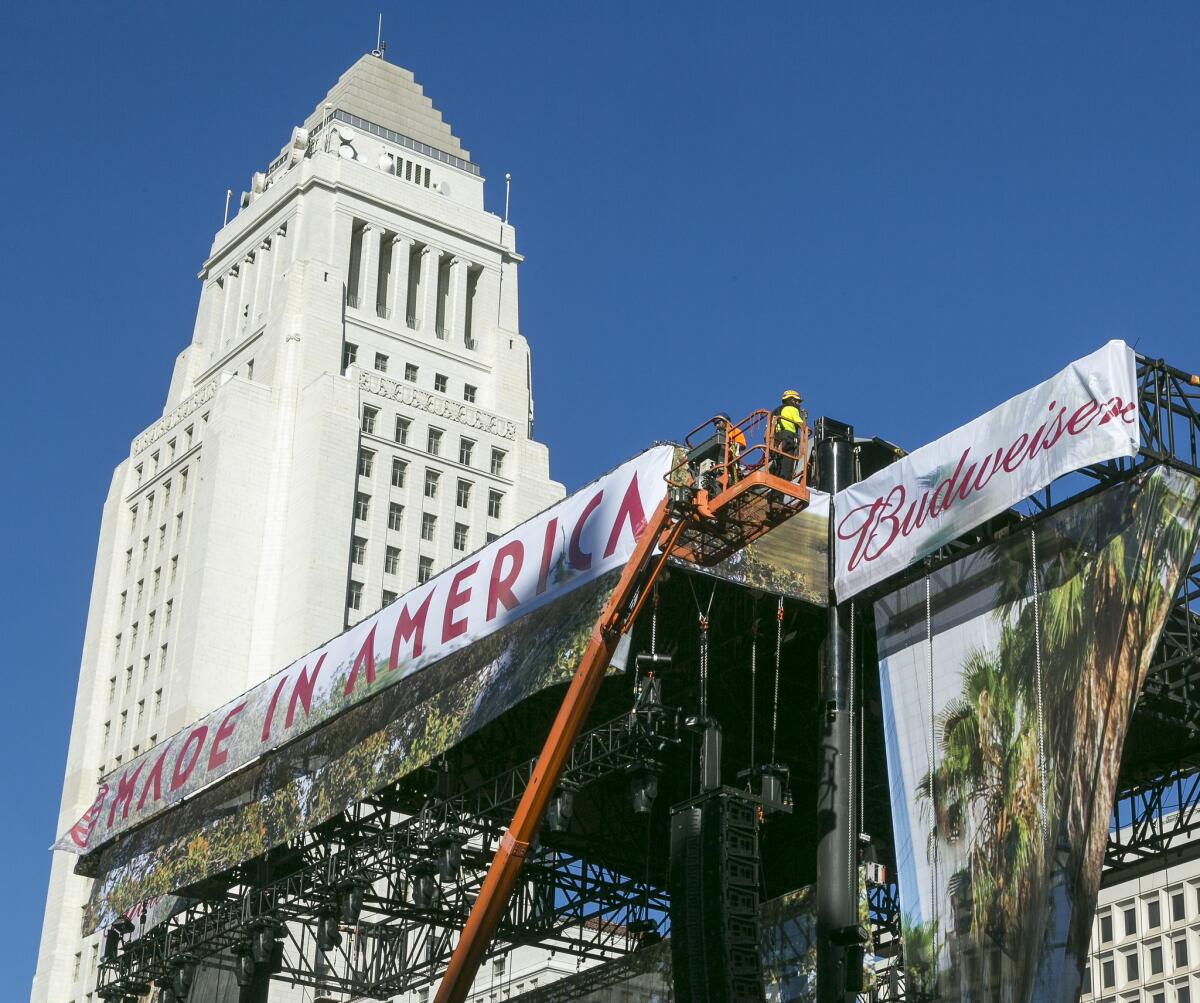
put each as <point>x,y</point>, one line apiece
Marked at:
<point>1085,414</point>
<point>566,546</point>
<point>1008,679</point>
<point>345,759</point>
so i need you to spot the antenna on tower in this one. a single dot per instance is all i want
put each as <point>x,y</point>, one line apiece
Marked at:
<point>507,190</point>
<point>380,44</point>
<point>228,196</point>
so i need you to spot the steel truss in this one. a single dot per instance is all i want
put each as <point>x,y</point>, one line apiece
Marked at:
<point>405,933</point>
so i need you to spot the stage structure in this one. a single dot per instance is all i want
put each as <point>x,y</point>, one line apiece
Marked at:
<point>369,898</point>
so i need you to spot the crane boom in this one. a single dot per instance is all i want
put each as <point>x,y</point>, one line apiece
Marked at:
<point>719,498</point>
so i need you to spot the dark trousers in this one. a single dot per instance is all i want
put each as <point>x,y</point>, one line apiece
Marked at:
<point>785,466</point>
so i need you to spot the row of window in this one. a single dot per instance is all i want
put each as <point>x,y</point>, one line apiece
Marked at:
<point>1141,961</point>
<point>1146,913</point>
<point>441,382</point>
<point>150,468</point>
<point>362,502</point>
<point>433,446</point>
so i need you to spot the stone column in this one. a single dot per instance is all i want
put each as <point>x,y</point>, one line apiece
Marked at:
<point>401,250</point>
<point>281,251</point>
<point>262,281</point>
<point>368,269</point>
<point>428,288</point>
<point>458,305</point>
<point>229,307</point>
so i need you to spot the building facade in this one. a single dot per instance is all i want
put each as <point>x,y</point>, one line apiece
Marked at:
<point>1146,939</point>
<point>353,414</point>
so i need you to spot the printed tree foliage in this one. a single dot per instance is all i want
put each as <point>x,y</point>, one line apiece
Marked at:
<point>1036,667</point>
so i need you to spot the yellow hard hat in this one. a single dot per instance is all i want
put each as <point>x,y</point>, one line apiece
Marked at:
<point>788,394</point>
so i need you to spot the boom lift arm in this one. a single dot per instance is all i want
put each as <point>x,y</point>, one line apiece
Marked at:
<point>718,500</point>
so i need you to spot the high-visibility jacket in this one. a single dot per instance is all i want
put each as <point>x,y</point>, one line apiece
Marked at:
<point>736,439</point>
<point>788,419</point>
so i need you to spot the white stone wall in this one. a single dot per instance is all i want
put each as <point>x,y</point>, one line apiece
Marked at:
<point>227,546</point>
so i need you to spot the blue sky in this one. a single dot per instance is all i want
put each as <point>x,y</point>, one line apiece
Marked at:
<point>908,212</point>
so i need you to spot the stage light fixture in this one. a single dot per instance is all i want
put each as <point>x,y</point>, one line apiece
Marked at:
<point>350,900</point>
<point>182,980</point>
<point>328,934</point>
<point>262,942</point>
<point>244,973</point>
<point>643,788</point>
<point>449,855</point>
<point>560,810</point>
<point>112,941</point>
<point>424,888</point>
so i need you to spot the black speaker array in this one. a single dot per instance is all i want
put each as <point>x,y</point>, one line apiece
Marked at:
<point>714,899</point>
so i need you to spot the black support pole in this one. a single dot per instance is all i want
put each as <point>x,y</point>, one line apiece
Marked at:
<point>837,824</point>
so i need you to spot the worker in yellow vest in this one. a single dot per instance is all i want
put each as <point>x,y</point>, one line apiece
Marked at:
<point>788,433</point>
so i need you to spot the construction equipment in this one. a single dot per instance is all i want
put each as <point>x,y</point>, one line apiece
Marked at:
<point>718,500</point>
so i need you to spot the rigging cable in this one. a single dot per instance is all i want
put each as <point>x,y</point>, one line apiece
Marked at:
<point>1037,660</point>
<point>933,870</point>
<point>851,870</point>
<point>753,694</point>
<point>775,700</point>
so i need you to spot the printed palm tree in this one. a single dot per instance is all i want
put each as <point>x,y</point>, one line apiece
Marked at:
<point>1107,571</point>
<point>987,791</point>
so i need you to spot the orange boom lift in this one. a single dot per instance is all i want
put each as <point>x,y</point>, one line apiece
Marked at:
<point>719,498</point>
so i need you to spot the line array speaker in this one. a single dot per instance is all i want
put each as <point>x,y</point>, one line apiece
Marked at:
<point>714,899</point>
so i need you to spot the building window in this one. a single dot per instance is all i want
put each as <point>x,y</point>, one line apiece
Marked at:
<point>183,475</point>
<point>494,500</point>
<point>362,505</point>
<point>428,525</point>
<point>188,434</point>
<point>381,362</point>
<point>1129,915</point>
<point>358,551</point>
<point>460,536</point>
<point>497,462</point>
<point>440,383</point>
<point>174,570</point>
<point>154,587</point>
<point>463,498</point>
<point>1178,906</point>
<point>141,712</point>
<point>1183,993</point>
<point>128,559</point>
<point>389,597</point>
<point>157,702</point>
<point>465,448</point>
<point>402,425</point>
<point>424,570</point>
<point>1106,928</point>
<point>162,657</point>
<point>112,688</point>
<point>1108,972</point>
<point>1155,959</point>
<point>410,372</point>
<point>145,546</point>
<point>493,537</point>
<point>354,595</point>
<point>137,598</point>
<point>1131,966</point>
<point>391,560</point>
<point>395,515</point>
<point>431,483</point>
<point>349,355</point>
<point>124,597</point>
<point>434,442</point>
<point>469,393</point>
<point>366,462</point>
<point>368,419</point>
<point>162,534</point>
<point>1153,913</point>
<point>1181,953</point>
<point>399,469</point>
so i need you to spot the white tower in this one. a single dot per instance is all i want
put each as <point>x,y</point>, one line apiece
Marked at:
<point>353,414</point>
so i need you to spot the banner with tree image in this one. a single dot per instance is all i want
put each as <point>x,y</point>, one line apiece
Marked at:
<point>1008,679</point>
